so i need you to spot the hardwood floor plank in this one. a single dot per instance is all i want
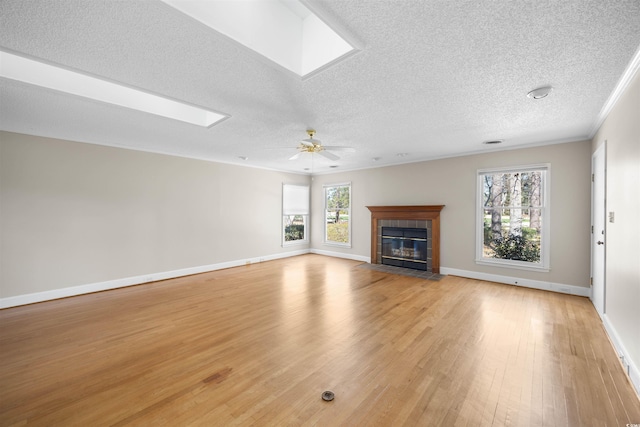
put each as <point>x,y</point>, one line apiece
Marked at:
<point>257,345</point>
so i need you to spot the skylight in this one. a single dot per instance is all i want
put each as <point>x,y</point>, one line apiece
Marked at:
<point>37,73</point>
<point>284,31</point>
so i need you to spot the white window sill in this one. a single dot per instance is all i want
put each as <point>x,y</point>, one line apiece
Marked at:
<point>338,245</point>
<point>295,243</point>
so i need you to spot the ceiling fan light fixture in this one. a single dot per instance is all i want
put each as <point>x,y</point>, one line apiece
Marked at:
<point>541,92</point>
<point>310,145</point>
<point>314,146</point>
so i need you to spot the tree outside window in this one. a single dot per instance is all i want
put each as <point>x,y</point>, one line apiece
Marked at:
<point>338,214</point>
<point>513,229</point>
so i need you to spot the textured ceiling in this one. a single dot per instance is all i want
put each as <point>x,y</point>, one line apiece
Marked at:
<point>433,78</point>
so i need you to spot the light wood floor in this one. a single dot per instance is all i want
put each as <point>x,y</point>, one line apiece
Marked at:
<point>258,345</point>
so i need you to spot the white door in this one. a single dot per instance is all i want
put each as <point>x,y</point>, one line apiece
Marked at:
<point>598,222</point>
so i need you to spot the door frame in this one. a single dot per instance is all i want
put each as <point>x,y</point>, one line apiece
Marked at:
<point>601,177</point>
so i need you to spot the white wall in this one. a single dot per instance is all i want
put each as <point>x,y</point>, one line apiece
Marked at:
<point>621,130</point>
<point>74,214</point>
<point>452,182</point>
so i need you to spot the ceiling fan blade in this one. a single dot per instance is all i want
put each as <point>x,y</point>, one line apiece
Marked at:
<point>339,148</point>
<point>295,156</point>
<point>328,155</point>
<point>311,141</point>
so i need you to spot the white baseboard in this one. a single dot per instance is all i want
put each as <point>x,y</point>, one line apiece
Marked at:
<point>631,369</point>
<point>341,255</point>
<point>135,280</point>
<point>527,283</point>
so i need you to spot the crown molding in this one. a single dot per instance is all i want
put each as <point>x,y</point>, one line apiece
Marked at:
<point>621,86</point>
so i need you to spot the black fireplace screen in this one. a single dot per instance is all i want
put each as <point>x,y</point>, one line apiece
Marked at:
<point>404,247</point>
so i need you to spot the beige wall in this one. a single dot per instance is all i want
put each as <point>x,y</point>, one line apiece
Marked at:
<point>621,130</point>
<point>452,182</point>
<point>74,214</point>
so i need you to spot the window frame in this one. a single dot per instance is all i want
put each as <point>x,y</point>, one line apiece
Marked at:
<point>545,209</point>
<point>305,218</point>
<point>327,242</point>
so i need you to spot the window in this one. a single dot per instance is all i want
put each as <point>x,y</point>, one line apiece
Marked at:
<point>295,214</point>
<point>337,207</point>
<point>513,217</point>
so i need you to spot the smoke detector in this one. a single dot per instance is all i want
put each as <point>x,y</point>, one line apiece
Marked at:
<point>541,92</point>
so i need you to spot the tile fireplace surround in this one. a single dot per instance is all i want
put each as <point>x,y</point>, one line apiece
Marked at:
<point>407,216</point>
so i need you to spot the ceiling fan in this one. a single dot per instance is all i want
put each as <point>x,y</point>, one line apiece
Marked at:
<point>312,145</point>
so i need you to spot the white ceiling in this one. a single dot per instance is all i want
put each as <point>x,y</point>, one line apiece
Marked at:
<point>433,78</point>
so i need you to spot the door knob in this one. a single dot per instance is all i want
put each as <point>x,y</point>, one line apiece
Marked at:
<point>600,243</point>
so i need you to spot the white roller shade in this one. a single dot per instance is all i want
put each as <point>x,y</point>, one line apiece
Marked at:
<point>295,199</point>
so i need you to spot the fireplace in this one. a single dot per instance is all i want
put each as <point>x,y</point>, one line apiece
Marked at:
<point>406,236</point>
<point>404,247</point>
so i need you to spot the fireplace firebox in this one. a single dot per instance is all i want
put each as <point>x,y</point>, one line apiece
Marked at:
<point>404,247</point>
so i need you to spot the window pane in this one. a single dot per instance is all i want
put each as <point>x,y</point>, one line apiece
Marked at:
<point>337,214</point>
<point>513,189</point>
<point>338,197</point>
<point>512,208</point>
<point>512,234</point>
<point>294,228</point>
<point>337,226</point>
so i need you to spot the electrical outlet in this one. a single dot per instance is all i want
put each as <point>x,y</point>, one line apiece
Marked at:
<point>626,366</point>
